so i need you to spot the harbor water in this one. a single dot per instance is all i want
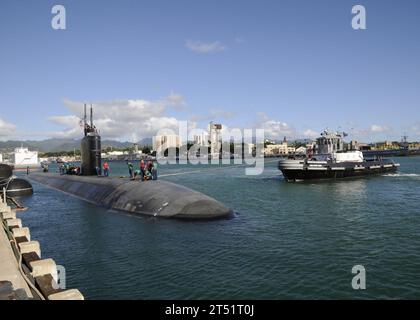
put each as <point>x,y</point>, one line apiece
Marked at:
<point>285,240</point>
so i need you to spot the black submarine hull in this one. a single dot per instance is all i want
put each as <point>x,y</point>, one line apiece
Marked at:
<point>15,187</point>
<point>154,198</point>
<point>18,188</point>
<point>5,171</point>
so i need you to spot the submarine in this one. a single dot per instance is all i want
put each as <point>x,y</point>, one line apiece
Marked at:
<point>15,187</point>
<point>152,198</point>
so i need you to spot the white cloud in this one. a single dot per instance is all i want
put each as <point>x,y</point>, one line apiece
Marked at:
<point>214,115</point>
<point>380,128</point>
<point>121,119</point>
<point>275,129</point>
<point>205,47</point>
<point>7,130</point>
<point>311,134</point>
<point>373,130</point>
<point>175,100</point>
<point>415,129</point>
<point>371,133</point>
<point>67,121</point>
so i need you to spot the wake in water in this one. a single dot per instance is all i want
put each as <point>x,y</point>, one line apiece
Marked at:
<point>211,169</point>
<point>409,175</point>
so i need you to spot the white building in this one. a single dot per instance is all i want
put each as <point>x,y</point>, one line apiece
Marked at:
<point>215,138</point>
<point>251,147</point>
<point>279,149</point>
<point>22,157</point>
<point>163,142</point>
<point>301,150</point>
<point>202,139</point>
<point>112,155</point>
<point>116,153</point>
<point>1,157</point>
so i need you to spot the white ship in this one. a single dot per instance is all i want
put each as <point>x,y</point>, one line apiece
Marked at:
<point>23,158</point>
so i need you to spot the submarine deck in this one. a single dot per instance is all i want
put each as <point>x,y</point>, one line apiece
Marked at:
<point>156,198</point>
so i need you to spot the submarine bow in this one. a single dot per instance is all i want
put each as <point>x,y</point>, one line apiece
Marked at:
<point>15,187</point>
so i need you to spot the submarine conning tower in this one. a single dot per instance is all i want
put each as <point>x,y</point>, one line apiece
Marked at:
<point>90,147</point>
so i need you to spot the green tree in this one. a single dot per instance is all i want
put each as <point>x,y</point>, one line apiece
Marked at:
<point>146,149</point>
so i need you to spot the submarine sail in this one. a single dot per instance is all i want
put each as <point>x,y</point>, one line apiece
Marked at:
<point>90,148</point>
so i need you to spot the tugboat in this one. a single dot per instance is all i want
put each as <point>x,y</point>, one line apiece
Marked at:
<point>331,161</point>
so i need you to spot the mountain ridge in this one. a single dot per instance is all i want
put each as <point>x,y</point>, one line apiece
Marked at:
<point>58,144</point>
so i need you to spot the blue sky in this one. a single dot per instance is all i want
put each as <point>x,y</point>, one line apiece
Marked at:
<point>291,67</point>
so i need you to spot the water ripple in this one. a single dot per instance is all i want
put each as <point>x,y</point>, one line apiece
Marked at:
<point>291,241</point>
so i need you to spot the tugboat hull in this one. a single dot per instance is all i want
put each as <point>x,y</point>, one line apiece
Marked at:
<point>294,170</point>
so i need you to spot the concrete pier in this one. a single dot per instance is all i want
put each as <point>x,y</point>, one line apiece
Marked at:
<point>23,274</point>
<point>9,270</point>
<point>154,198</point>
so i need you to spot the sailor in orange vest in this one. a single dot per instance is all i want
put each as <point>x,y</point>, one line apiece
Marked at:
<point>106,169</point>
